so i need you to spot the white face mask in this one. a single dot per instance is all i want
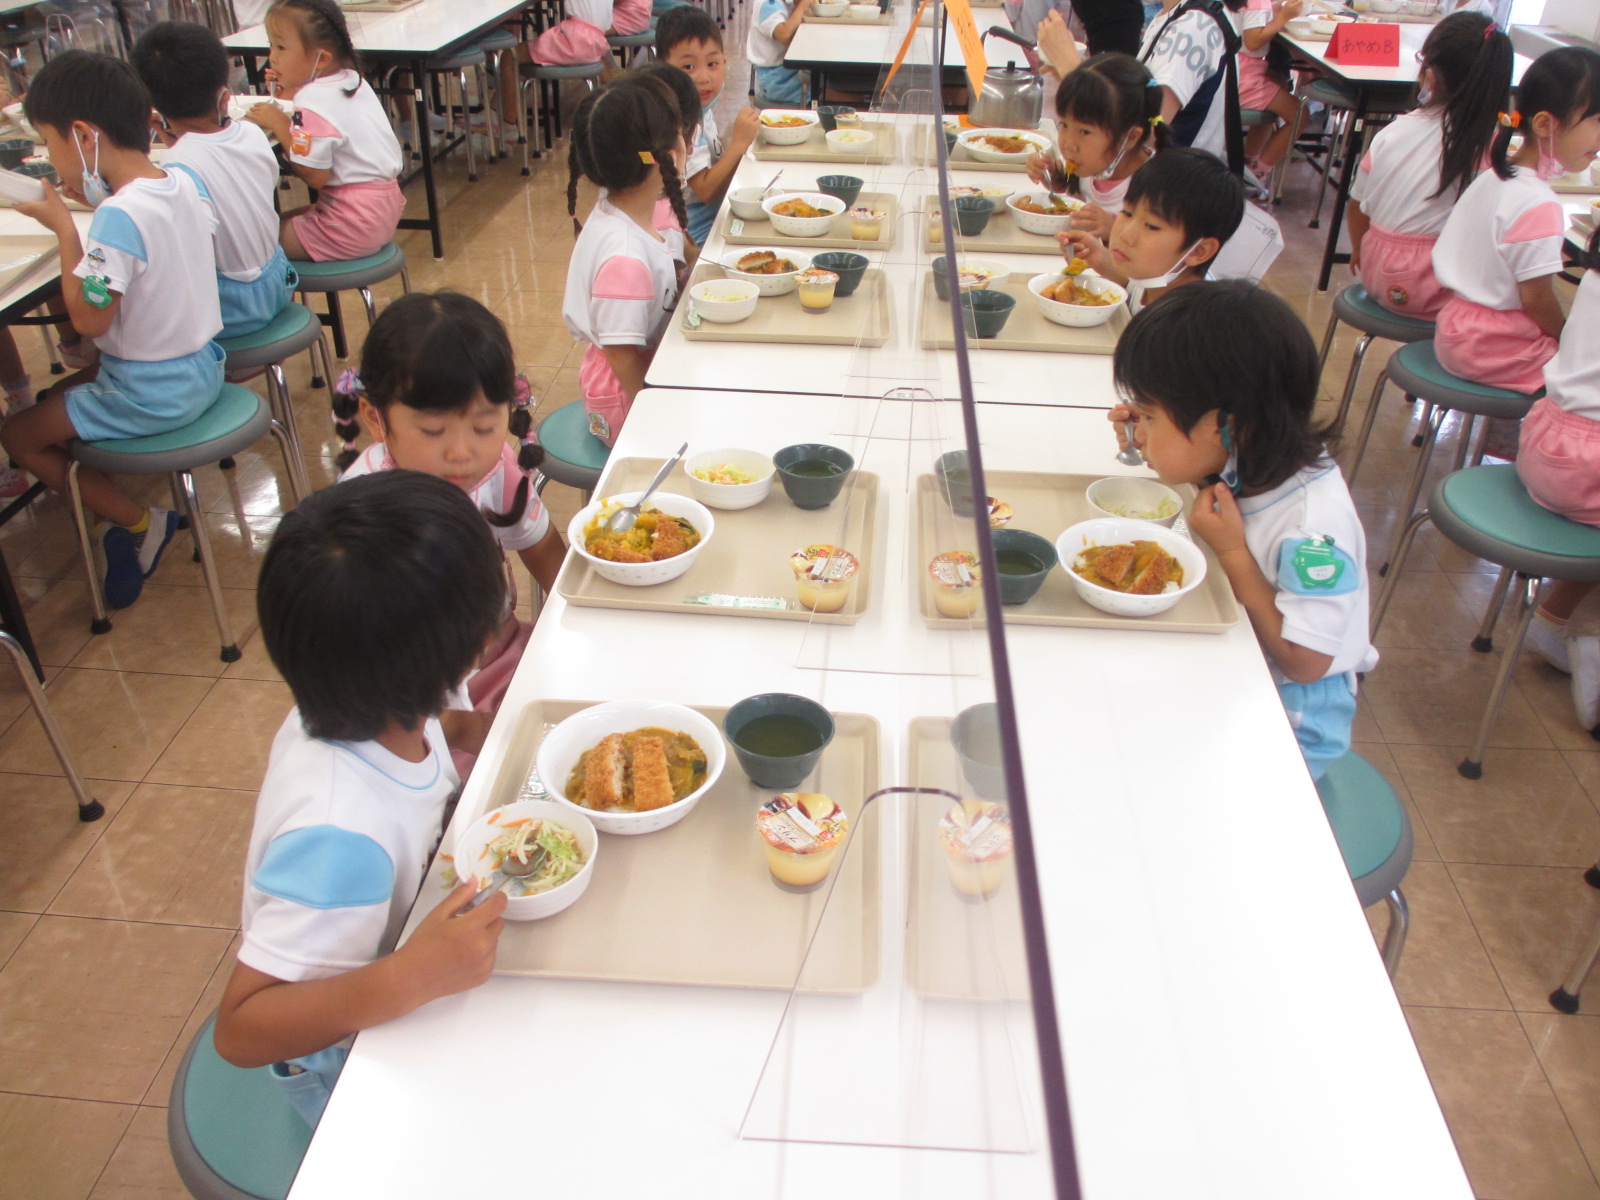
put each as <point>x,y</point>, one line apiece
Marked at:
<point>223,96</point>
<point>1121,154</point>
<point>1550,167</point>
<point>95,189</point>
<point>1425,87</point>
<point>1178,268</point>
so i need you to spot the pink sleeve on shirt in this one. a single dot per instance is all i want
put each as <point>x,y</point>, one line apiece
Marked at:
<point>623,278</point>
<point>317,125</point>
<point>1542,221</point>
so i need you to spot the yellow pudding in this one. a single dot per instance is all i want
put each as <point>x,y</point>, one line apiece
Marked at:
<point>866,224</point>
<point>957,590</point>
<point>976,837</point>
<point>848,120</point>
<point>824,576</point>
<point>1000,513</point>
<point>802,832</point>
<point>816,289</point>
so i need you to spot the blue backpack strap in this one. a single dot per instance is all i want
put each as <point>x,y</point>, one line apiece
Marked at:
<point>1186,125</point>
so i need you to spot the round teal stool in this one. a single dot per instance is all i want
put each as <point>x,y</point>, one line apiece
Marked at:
<point>1487,512</point>
<point>232,1132</point>
<point>353,274</point>
<point>548,79</point>
<point>633,48</point>
<point>1354,307</point>
<point>453,68</point>
<point>495,45</point>
<point>1374,836</point>
<point>572,455</point>
<point>294,329</point>
<point>236,421</point>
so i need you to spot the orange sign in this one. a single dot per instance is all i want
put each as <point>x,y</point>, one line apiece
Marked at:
<point>971,42</point>
<point>905,45</point>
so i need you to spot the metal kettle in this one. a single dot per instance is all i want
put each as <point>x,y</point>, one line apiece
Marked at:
<point>1012,96</point>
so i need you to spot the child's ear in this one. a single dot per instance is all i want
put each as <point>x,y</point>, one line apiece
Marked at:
<point>1204,251</point>
<point>371,419</point>
<point>1545,124</point>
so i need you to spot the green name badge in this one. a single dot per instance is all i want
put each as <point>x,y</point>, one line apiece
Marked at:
<point>1314,566</point>
<point>97,290</point>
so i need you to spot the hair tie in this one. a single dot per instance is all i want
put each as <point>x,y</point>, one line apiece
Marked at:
<point>646,157</point>
<point>349,383</point>
<point>1511,120</point>
<point>1489,32</point>
<point>530,454</point>
<point>1158,119</point>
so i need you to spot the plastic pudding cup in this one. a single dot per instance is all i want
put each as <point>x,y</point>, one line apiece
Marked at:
<point>801,844</point>
<point>957,587</point>
<point>977,843</point>
<point>816,289</point>
<point>1024,561</point>
<point>866,224</point>
<point>778,738</point>
<point>824,577</point>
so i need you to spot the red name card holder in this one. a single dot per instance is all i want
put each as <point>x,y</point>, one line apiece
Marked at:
<point>1357,44</point>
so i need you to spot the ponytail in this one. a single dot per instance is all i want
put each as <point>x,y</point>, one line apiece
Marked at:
<point>530,456</point>
<point>347,393</point>
<point>1564,83</point>
<point>1471,63</point>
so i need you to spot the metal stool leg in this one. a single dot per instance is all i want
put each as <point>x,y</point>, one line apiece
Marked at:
<point>1337,148</point>
<point>283,415</point>
<point>57,367</point>
<point>528,130</point>
<point>1419,472</point>
<point>1402,548</point>
<point>1427,415</point>
<point>466,125</point>
<point>1366,426</point>
<point>1484,642</point>
<point>405,280</point>
<point>1471,767</point>
<point>184,482</point>
<point>89,809</point>
<point>1394,941</point>
<point>1356,363</point>
<point>321,362</point>
<point>1565,998</point>
<point>1327,343</point>
<point>286,444</point>
<point>99,622</point>
<point>372,309</point>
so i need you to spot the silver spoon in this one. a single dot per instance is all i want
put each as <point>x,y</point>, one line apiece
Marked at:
<point>771,183</point>
<point>510,868</point>
<point>624,519</point>
<point>1129,455</point>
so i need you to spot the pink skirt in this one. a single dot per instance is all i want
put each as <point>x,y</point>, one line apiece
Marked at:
<point>603,396</point>
<point>570,42</point>
<point>350,220</point>
<point>1256,87</point>
<point>1559,461</point>
<point>631,16</point>
<point>1499,347</point>
<point>1397,271</point>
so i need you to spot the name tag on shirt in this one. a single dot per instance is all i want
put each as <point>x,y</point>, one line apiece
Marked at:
<point>1314,566</point>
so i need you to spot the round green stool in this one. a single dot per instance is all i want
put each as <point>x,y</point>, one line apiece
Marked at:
<point>572,455</point>
<point>232,1132</point>
<point>633,48</point>
<point>548,79</point>
<point>1354,307</point>
<point>234,422</point>
<point>294,329</point>
<point>1374,836</point>
<point>351,274</point>
<point>495,45</point>
<point>453,68</point>
<point>1487,512</point>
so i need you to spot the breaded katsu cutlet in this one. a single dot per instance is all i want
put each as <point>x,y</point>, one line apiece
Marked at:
<point>605,772</point>
<point>652,788</point>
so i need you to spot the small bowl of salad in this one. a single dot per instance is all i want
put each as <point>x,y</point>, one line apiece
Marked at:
<point>729,478</point>
<point>1134,499</point>
<point>561,841</point>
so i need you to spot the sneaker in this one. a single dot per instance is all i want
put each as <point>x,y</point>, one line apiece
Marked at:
<point>131,558</point>
<point>1585,655</point>
<point>1549,641</point>
<point>13,483</point>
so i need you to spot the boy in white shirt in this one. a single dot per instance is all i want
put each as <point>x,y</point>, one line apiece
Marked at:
<point>375,598</point>
<point>186,70</point>
<point>1190,48</point>
<point>143,286</point>
<point>771,30</point>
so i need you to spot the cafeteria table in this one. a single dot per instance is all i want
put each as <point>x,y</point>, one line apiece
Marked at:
<point>408,38</point>
<point>820,48</point>
<point>1229,1031</point>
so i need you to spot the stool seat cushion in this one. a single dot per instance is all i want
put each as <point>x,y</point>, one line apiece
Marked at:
<point>1415,369</point>
<point>499,39</point>
<point>337,275</point>
<point>472,56</point>
<point>573,455</point>
<point>561,71</point>
<point>1486,511</point>
<point>630,40</point>
<point>236,421</point>
<point>1250,117</point>
<point>234,1123</point>
<point>1370,825</point>
<point>294,329</point>
<point>1337,95</point>
<point>1360,311</point>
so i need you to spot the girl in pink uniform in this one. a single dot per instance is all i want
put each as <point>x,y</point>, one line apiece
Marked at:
<point>1501,248</point>
<point>1416,168</point>
<point>1261,21</point>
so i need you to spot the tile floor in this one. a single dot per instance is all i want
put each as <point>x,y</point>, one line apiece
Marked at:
<point>113,950</point>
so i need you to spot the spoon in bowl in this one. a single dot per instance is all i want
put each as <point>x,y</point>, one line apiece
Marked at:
<point>510,868</point>
<point>771,183</point>
<point>1129,455</point>
<point>624,519</point>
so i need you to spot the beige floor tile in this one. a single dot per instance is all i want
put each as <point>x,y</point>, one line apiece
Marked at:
<point>1533,921</point>
<point>1380,756</point>
<point>57,612</point>
<point>1549,691</point>
<point>1568,1047</point>
<point>238,547</point>
<point>1508,1126</point>
<point>1427,612</point>
<point>170,631</point>
<point>253,662</point>
<point>90,1009</point>
<point>14,926</point>
<point>1527,809</point>
<point>55,1149</point>
<point>160,1090</point>
<point>1586,766</point>
<point>1434,698</point>
<point>117,722</point>
<point>133,873</point>
<point>40,814</point>
<point>141,1166</point>
<point>225,743</point>
<point>540,345</point>
<point>1444,964</point>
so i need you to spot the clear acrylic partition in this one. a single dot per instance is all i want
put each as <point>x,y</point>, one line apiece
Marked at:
<point>953,1047</point>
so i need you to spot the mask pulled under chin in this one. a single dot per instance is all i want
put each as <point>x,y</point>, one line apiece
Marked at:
<point>95,189</point>
<point>1178,268</point>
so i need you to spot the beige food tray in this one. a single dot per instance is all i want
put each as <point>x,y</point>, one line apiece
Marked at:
<point>736,231</point>
<point>816,149</point>
<point>959,158</point>
<point>694,903</point>
<point>957,947</point>
<point>864,318</point>
<point>1048,504</point>
<point>1000,236</point>
<point>1026,329</point>
<point>748,555</point>
<point>1576,189</point>
<point>20,254</point>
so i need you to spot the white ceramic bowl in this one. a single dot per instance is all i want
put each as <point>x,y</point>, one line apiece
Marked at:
<point>1323,27</point>
<point>769,285</point>
<point>865,12</point>
<point>724,301</point>
<point>731,495</point>
<point>565,744</point>
<point>472,857</point>
<point>850,141</point>
<point>1077,316</point>
<point>788,135</point>
<point>830,8</point>
<point>1123,495</point>
<point>1300,27</point>
<point>746,203</point>
<point>1110,531</point>
<point>650,573</point>
<point>982,151</point>
<point>1040,223</point>
<point>803,226</point>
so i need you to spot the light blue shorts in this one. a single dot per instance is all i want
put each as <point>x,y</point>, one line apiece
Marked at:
<point>1321,713</point>
<point>701,217</point>
<point>136,399</point>
<point>247,307</point>
<point>308,1081</point>
<point>779,85</point>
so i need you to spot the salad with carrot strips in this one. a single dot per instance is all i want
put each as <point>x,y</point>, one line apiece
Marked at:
<point>536,839</point>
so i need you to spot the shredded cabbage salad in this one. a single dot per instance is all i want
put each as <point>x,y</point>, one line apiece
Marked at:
<point>522,839</point>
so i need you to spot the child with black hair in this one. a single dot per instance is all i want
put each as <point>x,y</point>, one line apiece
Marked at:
<point>623,277</point>
<point>185,68</point>
<point>688,98</point>
<point>1220,380</point>
<point>1419,165</point>
<point>1180,210</point>
<point>142,285</point>
<point>687,38</point>
<point>375,597</point>
<point>1500,250</point>
<point>1259,24</point>
<point>1108,125</point>
<point>772,28</point>
<point>438,391</point>
<point>339,141</point>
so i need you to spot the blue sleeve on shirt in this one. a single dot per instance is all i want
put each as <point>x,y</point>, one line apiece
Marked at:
<point>323,866</point>
<point>115,228</point>
<point>192,174</point>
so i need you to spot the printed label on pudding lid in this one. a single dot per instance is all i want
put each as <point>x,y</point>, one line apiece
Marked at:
<point>978,833</point>
<point>955,568</point>
<point>802,822</point>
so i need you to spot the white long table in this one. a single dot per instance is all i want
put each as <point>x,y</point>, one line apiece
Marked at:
<point>1229,1031</point>
<point>820,48</point>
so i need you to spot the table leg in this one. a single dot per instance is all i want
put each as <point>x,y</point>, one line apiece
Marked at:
<point>419,119</point>
<point>1347,177</point>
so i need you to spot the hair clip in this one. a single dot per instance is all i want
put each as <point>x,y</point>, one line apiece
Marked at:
<point>349,383</point>
<point>529,453</point>
<point>646,157</point>
<point>1150,83</point>
<point>1511,120</point>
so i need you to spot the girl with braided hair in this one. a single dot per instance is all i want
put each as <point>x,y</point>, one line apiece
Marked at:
<point>625,274</point>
